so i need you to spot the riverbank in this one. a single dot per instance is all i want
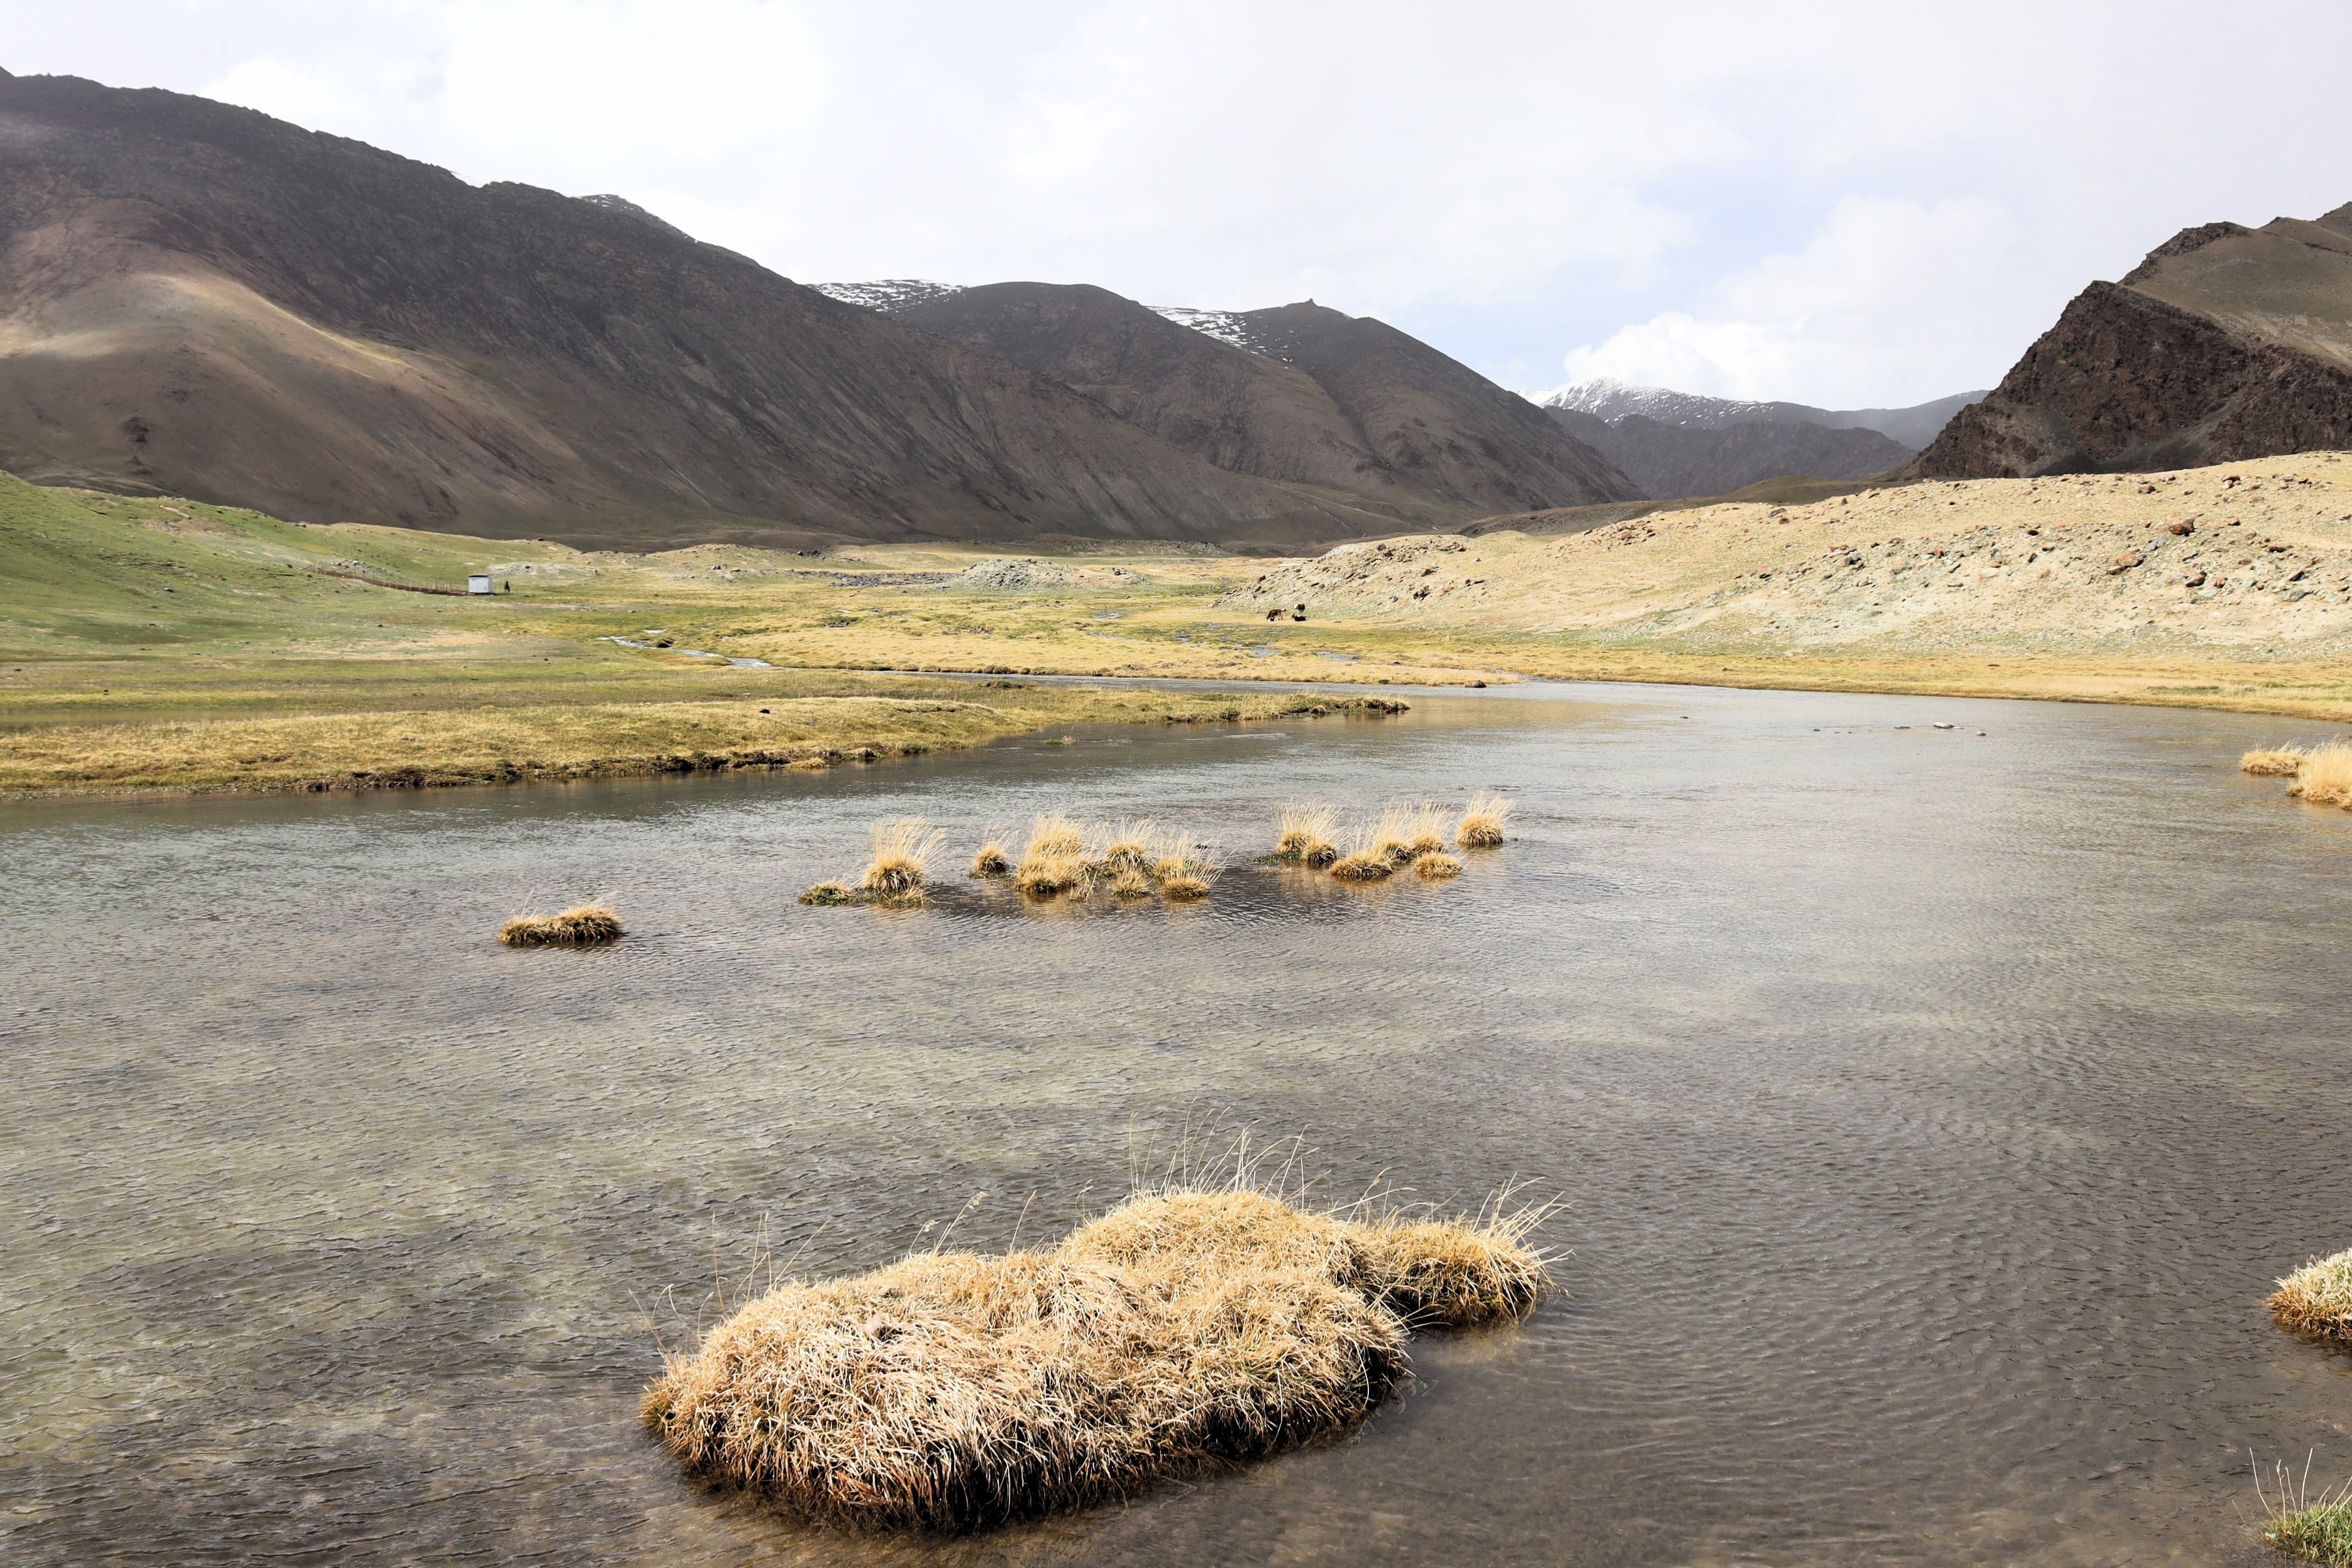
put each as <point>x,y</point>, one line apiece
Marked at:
<point>151,644</point>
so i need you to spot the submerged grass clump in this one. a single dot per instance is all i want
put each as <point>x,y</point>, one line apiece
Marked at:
<point>2324,777</point>
<point>1482,822</point>
<point>2273,761</point>
<point>1184,1329</point>
<point>829,894</point>
<point>583,925</point>
<point>2316,1300</point>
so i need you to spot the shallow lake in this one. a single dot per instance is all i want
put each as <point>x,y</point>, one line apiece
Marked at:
<point>1933,1111</point>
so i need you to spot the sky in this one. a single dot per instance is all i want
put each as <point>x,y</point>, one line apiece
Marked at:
<point>1846,204</point>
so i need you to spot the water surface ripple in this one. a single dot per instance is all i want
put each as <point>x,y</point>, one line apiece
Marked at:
<point>1934,1112</point>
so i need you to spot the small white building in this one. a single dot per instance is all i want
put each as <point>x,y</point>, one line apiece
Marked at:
<point>479,583</point>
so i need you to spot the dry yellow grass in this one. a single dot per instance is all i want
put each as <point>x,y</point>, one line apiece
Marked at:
<point>1391,835</point>
<point>1054,862</point>
<point>990,860</point>
<point>2316,1300</point>
<point>2274,761</point>
<point>1306,835</point>
<point>901,850</point>
<point>1183,887</point>
<point>1129,846</point>
<point>1131,883</point>
<point>1425,827</point>
<point>1184,1330</point>
<point>1437,866</point>
<point>1362,865</point>
<point>1482,822</point>
<point>584,925</point>
<point>2325,776</point>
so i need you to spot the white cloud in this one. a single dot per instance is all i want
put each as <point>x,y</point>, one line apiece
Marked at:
<point>1887,297</point>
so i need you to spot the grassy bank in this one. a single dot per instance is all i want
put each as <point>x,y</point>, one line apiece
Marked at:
<point>159,644</point>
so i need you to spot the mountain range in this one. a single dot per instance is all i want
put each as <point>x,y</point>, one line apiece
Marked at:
<point>2226,342</point>
<point>199,300</point>
<point>1676,443</point>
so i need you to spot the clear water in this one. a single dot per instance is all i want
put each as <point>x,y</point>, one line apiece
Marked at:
<point>1934,1112</point>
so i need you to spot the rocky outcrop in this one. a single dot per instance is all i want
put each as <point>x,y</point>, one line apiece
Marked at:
<point>2225,344</point>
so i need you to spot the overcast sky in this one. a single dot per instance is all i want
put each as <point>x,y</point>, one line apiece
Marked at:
<point>1839,204</point>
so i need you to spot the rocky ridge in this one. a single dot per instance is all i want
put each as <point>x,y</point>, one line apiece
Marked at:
<point>2225,344</point>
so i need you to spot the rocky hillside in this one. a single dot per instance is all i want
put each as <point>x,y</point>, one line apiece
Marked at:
<point>1674,460</point>
<point>2251,557</point>
<point>2225,344</point>
<point>201,300</point>
<point>1301,394</point>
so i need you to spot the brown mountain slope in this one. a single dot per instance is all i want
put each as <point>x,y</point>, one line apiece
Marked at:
<point>1251,413</point>
<point>1436,424</point>
<point>2225,344</point>
<point>198,299</point>
<point>1678,461</point>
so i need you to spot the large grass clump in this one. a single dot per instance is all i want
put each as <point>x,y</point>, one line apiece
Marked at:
<point>2324,776</point>
<point>2316,1300</point>
<point>1184,1330</point>
<point>584,925</point>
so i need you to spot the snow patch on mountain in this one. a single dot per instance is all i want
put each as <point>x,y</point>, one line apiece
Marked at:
<point>889,295</point>
<point>1225,326</point>
<point>1612,399</point>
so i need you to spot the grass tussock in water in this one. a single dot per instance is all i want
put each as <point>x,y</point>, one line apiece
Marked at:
<point>2273,761</point>
<point>584,925</point>
<point>829,894</point>
<point>990,860</point>
<point>2324,776</point>
<point>1362,865</point>
<point>1482,822</point>
<point>1184,1330</point>
<point>2316,1300</point>
<point>1436,867</point>
<point>1306,836</point>
<point>902,848</point>
<point>2300,1526</point>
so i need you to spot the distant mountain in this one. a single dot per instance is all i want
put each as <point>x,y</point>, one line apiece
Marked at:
<point>1301,394</point>
<point>1671,461</point>
<point>1914,427</point>
<point>2227,342</point>
<point>205,302</point>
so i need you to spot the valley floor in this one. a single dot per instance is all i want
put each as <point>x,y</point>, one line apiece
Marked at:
<point>150,644</point>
